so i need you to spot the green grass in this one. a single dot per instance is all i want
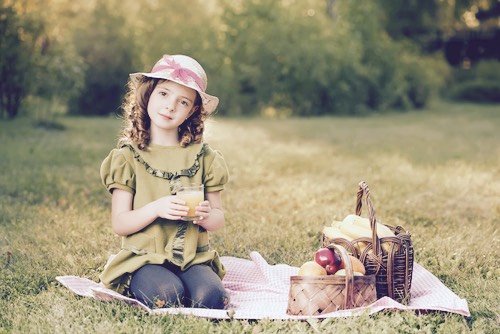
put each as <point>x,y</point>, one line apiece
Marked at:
<point>436,172</point>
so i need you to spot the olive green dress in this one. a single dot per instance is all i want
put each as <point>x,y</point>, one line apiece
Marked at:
<point>149,175</point>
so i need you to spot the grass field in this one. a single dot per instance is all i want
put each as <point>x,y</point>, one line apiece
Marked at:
<point>436,172</point>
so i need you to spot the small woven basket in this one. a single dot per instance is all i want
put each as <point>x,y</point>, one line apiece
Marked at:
<point>316,295</point>
<point>392,264</point>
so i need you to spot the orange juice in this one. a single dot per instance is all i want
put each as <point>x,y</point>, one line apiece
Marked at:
<point>193,195</point>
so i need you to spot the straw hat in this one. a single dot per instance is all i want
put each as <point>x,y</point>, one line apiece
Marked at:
<point>185,71</point>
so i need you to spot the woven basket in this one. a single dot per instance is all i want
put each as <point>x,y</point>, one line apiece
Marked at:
<point>316,295</point>
<point>392,264</point>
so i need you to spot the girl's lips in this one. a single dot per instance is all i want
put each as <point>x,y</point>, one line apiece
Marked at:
<point>166,116</point>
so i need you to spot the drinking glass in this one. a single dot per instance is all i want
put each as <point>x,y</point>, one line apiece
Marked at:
<point>193,195</point>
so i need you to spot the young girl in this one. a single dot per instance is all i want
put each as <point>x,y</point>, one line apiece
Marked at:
<point>166,261</point>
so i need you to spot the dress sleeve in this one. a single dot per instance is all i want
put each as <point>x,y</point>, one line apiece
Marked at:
<point>118,172</point>
<point>216,172</point>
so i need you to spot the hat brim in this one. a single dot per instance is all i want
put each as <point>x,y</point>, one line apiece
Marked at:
<point>209,102</point>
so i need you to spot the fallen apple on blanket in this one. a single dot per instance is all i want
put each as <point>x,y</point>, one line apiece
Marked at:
<point>328,262</point>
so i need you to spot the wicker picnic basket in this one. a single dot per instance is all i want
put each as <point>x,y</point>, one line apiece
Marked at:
<point>316,295</point>
<point>392,264</point>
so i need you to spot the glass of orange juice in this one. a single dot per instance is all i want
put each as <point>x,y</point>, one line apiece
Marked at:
<point>193,195</point>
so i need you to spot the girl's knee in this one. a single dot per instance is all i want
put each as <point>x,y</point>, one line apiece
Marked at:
<point>156,286</point>
<point>212,297</point>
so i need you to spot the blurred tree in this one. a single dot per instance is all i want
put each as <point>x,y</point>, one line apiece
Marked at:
<point>40,69</point>
<point>58,77</point>
<point>290,55</point>
<point>429,23</point>
<point>330,11</point>
<point>477,38</point>
<point>171,26</point>
<point>17,43</point>
<point>276,53</point>
<point>107,49</point>
<point>417,20</point>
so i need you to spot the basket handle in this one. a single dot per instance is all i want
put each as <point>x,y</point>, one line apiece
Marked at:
<point>365,191</point>
<point>349,276</point>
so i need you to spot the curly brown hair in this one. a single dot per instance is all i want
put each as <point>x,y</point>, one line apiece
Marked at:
<point>137,121</point>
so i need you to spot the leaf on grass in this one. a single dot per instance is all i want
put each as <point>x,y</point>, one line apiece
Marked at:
<point>160,303</point>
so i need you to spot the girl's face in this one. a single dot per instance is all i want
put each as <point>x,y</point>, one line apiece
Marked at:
<point>170,104</point>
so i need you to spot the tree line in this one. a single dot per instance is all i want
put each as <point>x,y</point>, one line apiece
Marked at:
<point>280,57</point>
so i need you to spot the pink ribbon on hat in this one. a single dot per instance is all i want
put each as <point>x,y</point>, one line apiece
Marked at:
<point>179,72</point>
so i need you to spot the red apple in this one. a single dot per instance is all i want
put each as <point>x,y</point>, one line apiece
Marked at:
<point>328,259</point>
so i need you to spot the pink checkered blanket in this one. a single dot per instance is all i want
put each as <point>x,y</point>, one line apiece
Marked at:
<point>260,291</point>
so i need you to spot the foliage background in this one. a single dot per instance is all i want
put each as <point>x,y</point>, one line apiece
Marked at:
<point>263,57</point>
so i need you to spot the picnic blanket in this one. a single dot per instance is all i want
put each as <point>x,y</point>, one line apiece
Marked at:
<point>260,291</point>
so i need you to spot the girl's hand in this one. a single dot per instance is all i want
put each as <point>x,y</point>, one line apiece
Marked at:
<point>203,210</point>
<point>170,207</point>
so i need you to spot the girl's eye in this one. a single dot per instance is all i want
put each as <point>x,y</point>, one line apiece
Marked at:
<point>184,103</point>
<point>162,93</point>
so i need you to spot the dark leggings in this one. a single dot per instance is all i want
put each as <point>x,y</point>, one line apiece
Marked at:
<point>199,286</point>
